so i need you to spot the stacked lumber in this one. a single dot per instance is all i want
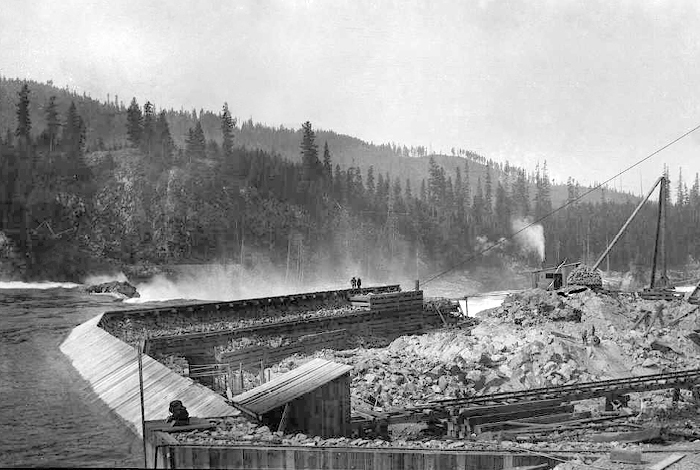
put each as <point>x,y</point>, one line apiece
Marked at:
<point>585,276</point>
<point>660,294</point>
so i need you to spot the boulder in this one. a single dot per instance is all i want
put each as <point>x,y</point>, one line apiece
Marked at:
<point>115,287</point>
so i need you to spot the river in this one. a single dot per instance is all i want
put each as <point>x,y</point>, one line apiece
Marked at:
<point>49,416</point>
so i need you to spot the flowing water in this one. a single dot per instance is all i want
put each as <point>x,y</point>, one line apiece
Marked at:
<point>49,416</point>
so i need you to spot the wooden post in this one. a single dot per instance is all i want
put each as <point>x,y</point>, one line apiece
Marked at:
<point>229,381</point>
<point>262,371</point>
<point>283,421</point>
<point>143,411</point>
<point>240,375</point>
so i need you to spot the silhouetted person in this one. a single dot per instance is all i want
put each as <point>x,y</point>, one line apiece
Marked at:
<point>178,414</point>
<point>353,281</point>
<point>359,283</point>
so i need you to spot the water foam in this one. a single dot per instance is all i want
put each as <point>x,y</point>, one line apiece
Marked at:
<point>37,285</point>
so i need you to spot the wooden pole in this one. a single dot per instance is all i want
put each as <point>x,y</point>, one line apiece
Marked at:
<point>626,224</point>
<point>143,410</point>
<point>654,260</point>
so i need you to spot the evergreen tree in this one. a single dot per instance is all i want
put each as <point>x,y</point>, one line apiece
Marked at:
<point>24,122</point>
<point>327,163</point>
<point>570,190</point>
<point>134,123</point>
<point>73,141</point>
<point>53,124</point>
<point>478,206</point>
<point>165,144</point>
<point>149,127</point>
<point>370,182</point>
<point>521,193</point>
<point>488,191</point>
<point>309,153</point>
<point>227,126</point>
<point>680,191</point>
<point>196,143</point>
<point>694,195</point>
<point>466,191</point>
<point>502,210</point>
<point>458,194</point>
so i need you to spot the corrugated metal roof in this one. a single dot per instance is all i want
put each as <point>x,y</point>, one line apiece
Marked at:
<point>287,387</point>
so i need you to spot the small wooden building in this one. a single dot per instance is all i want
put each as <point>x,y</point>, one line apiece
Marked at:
<point>313,399</point>
<point>553,276</point>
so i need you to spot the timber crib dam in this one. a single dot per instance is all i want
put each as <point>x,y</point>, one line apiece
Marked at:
<point>110,365</point>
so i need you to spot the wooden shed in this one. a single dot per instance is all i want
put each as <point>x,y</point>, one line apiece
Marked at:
<point>313,399</point>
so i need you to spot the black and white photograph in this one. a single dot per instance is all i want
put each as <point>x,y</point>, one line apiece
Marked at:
<point>350,234</point>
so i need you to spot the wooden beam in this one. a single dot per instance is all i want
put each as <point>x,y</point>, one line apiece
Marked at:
<point>667,462</point>
<point>496,417</point>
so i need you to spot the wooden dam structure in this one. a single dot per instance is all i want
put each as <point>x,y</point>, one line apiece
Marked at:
<point>110,366</point>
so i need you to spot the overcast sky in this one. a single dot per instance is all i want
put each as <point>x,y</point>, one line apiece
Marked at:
<point>589,86</point>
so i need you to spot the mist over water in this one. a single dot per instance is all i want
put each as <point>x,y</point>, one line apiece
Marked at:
<point>224,282</point>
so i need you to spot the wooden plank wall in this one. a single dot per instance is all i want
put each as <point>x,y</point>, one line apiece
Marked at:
<point>331,458</point>
<point>324,411</point>
<point>250,357</point>
<point>388,321</point>
<point>110,366</point>
<point>163,316</point>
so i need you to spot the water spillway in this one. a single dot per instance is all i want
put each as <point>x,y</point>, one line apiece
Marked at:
<point>110,366</point>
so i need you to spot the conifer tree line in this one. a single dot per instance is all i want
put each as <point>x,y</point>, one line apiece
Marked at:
<point>67,210</point>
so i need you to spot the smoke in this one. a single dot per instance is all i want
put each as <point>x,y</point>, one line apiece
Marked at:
<point>531,239</point>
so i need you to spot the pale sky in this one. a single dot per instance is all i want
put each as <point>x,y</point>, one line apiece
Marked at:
<point>589,86</point>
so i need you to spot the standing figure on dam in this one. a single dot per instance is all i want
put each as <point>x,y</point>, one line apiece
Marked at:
<point>359,283</point>
<point>178,414</point>
<point>353,282</point>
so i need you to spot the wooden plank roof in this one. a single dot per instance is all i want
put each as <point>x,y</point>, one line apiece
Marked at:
<point>111,367</point>
<point>287,387</point>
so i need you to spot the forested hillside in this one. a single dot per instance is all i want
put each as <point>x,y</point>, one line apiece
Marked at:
<point>105,123</point>
<point>79,198</point>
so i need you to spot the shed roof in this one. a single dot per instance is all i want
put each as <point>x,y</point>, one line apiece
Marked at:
<point>287,387</point>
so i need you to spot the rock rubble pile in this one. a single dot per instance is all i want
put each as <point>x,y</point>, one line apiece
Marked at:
<point>585,276</point>
<point>131,330</point>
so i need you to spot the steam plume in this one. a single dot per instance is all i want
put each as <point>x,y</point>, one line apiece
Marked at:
<point>531,239</point>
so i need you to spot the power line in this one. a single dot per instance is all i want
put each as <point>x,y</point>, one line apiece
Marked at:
<point>566,204</point>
